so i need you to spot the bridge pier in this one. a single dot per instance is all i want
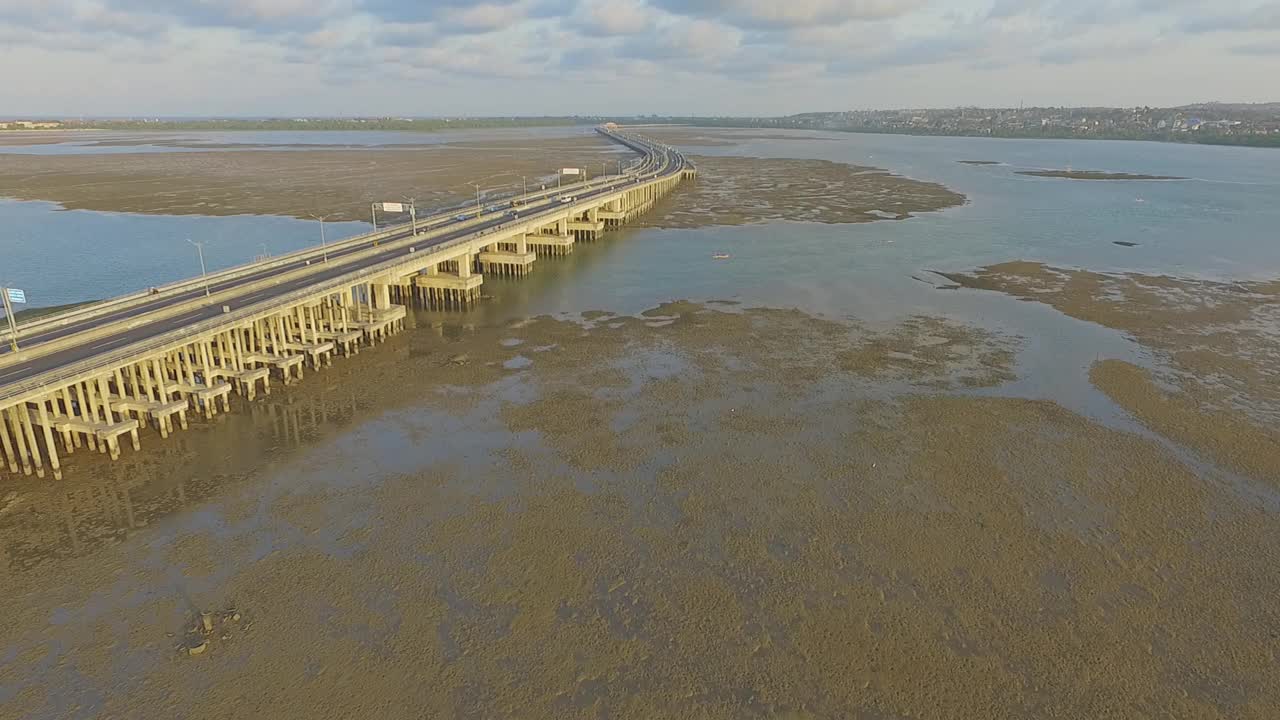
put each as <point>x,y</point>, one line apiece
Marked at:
<point>550,244</point>
<point>198,369</point>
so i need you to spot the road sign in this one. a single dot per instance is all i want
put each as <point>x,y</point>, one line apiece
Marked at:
<point>392,207</point>
<point>571,171</point>
<point>17,296</point>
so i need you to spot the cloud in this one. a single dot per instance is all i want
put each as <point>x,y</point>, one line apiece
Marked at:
<point>776,14</point>
<point>1262,17</point>
<point>614,17</point>
<point>538,55</point>
<point>1271,47</point>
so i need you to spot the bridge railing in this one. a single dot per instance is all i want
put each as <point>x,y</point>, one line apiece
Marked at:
<point>121,302</point>
<point>102,362</point>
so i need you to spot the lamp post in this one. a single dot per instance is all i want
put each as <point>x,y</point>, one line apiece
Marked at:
<point>324,248</point>
<point>8,314</point>
<point>413,214</point>
<point>476,185</point>
<point>524,182</point>
<point>204,275</point>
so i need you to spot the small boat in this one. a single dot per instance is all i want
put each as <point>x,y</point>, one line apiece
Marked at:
<point>721,256</point>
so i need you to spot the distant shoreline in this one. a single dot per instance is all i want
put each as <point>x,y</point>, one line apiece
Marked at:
<point>308,125</point>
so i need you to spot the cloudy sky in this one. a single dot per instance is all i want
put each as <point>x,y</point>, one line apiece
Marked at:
<point>505,57</point>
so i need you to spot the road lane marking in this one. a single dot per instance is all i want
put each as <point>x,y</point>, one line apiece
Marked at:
<point>15,372</point>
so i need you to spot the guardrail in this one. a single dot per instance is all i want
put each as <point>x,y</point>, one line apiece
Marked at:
<point>123,302</point>
<point>173,338</point>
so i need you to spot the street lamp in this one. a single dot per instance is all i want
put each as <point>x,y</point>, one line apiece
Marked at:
<point>324,248</point>
<point>476,185</point>
<point>413,214</point>
<point>524,182</point>
<point>204,275</point>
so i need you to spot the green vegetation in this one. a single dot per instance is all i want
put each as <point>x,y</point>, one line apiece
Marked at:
<point>813,122</point>
<point>30,314</point>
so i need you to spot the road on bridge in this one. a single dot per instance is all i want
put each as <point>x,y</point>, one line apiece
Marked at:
<point>670,163</point>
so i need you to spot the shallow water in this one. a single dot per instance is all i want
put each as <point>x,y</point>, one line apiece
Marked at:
<point>251,481</point>
<point>66,256</point>
<point>108,142</point>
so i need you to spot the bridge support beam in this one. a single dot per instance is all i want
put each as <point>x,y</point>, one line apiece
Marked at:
<point>199,373</point>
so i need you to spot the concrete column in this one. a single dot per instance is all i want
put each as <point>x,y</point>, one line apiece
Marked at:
<point>19,440</point>
<point>464,265</point>
<point>24,417</point>
<point>88,404</point>
<point>161,385</point>
<point>129,378</point>
<point>48,437</point>
<point>141,381</point>
<point>105,396</point>
<point>70,440</point>
<point>10,455</point>
<point>207,362</point>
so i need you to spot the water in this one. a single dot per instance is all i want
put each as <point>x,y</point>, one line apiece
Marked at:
<point>66,256</point>
<point>328,434</point>
<point>93,142</point>
<point>1220,224</point>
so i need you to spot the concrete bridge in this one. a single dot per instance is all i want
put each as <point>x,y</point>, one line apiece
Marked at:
<point>96,377</point>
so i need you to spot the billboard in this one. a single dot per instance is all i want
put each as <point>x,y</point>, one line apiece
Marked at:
<point>571,171</point>
<point>393,207</point>
<point>17,296</point>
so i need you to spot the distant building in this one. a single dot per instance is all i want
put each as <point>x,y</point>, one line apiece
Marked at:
<point>29,125</point>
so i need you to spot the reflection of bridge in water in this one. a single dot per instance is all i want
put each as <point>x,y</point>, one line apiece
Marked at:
<point>114,499</point>
<point>96,377</point>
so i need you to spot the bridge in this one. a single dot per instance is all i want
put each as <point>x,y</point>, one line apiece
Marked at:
<point>92,377</point>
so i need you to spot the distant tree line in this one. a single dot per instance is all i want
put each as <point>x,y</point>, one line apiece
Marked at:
<point>1199,137</point>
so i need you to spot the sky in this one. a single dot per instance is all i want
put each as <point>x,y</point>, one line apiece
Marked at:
<point>621,57</point>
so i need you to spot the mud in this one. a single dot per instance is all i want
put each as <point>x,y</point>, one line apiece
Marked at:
<point>300,182</point>
<point>702,511</point>
<point>1095,175</point>
<point>1217,344</point>
<point>745,190</point>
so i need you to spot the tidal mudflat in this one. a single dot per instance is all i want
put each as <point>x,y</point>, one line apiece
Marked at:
<point>1095,175</point>
<point>301,181</point>
<point>1216,387</point>
<point>701,511</point>
<point>744,190</point>
<point>715,508</point>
